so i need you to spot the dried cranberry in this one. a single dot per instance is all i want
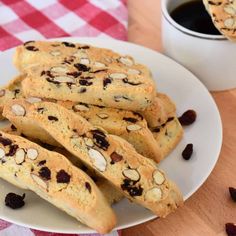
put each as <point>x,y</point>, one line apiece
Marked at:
<point>84,47</point>
<point>75,74</point>
<point>170,119</point>
<point>81,67</point>
<point>45,173</point>
<point>230,229</point>
<point>128,185</point>
<point>12,150</point>
<point>5,141</point>
<point>130,119</point>
<point>52,81</point>
<point>67,44</point>
<point>188,117</point>
<point>232,192</point>
<point>115,157</point>
<point>14,201</point>
<point>53,118</point>
<point>88,186</point>
<point>106,82</point>
<point>32,48</point>
<point>85,82</point>
<point>13,128</point>
<point>100,139</point>
<point>63,177</point>
<point>188,151</point>
<point>82,90</point>
<point>41,163</point>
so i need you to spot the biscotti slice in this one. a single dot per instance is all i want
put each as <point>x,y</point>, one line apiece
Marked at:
<point>55,179</point>
<point>43,52</point>
<point>115,159</point>
<point>126,124</point>
<point>112,87</point>
<point>10,91</point>
<point>168,135</point>
<point>159,111</point>
<point>223,15</point>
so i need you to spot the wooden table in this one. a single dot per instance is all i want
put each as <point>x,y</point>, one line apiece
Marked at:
<point>207,211</point>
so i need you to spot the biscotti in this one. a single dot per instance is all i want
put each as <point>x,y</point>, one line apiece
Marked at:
<point>55,179</point>
<point>168,135</point>
<point>10,91</point>
<point>126,124</point>
<point>223,14</point>
<point>112,87</point>
<point>115,159</point>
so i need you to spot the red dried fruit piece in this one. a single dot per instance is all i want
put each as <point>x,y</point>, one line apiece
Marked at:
<point>115,157</point>
<point>63,177</point>
<point>188,151</point>
<point>45,173</point>
<point>230,229</point>
<point>188,117</point>
<point>53,118</point>
<point>14,201</point>
<point>232,192</point>
<point>88,186</point>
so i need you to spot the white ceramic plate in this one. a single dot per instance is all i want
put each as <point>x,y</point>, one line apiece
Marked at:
<point>206,135</point>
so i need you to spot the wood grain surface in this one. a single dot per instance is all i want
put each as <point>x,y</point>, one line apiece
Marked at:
<point>207,211</point>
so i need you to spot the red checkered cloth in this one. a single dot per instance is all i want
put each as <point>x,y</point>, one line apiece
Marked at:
<point>22,21</point>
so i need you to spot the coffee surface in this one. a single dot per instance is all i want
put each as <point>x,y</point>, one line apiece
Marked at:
<point>193,16</point>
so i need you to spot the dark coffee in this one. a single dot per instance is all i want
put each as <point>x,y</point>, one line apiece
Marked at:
<point>193,16</point>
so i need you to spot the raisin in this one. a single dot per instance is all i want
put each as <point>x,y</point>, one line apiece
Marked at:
<point>230,229</point>
<point>75,74</point>
<point>106,82</point>
<point>88,186</point>
<point>82,90</point>
<point>45,173</point>
<point>14,201</point>
<point>133,191</point>
<point>52,81</point>
<point>16,91</point>
<point>188,151</point>
<point>5,141</point>
<point>101,70</point>
<point>188,117</point>
<point>232,192</point>
<point>156,129</point>
<point>170,119</point>
<point>84,47</point>
<point>115,157</point>
<point>137,114</point>
<point>63,177</point>
<point>67,44</point>
<point>130,119</point>
<point>81,67</point>
<point>41,163</point>
<point>12,150</point>
<point>85,82</point>
<point>40,110</point>
<point>100,139</point>
<point>53,118</point>
<point>32,48</point>
<point>126,81</point>
<point>13,128</point>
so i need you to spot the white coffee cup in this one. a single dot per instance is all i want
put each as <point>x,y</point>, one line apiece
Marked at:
<point>212,58</point>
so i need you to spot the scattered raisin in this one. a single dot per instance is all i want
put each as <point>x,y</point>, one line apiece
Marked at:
<point>137,114</point>
<point>82,90</point>
<point>100,139</point>
<point>232,192</point>
<point>156,129</point>
<point>115,157</point>
<point>75,74</point>
<point>100,70</point>
<point>81,67</point>
<point>5,141</point>
<point>106,82</point>
<point>67,44</point>
<point>133,191</point>
<point>32,48</point>
<point>85,82</point>
<point>52,118</point>
<point>188,117</point>
<point>188,151</point>
<point>13,128</point>
<point>130,119</point>
<point>45,173</point>
<point>88,186</point>
<point>230,229</point>
<point>40,110</point>
<point>170,119</point>
<point>63,177</point>
<point>84,47</point>
<point>14,201</point>
<point>12,150</point>
<point>41,163</point>
<point>52,81</point>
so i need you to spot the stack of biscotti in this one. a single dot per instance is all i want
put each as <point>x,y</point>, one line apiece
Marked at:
<point>81,98</point>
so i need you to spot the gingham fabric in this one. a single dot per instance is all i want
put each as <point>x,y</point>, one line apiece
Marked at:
<point>22,21</point>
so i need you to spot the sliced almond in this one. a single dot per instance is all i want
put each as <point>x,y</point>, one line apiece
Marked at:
<point>80,107</point>
<point>18,110</point>
<point>126,61</point>
<point>84,61</point>
<point>103,115</point>
<point>230,10</point>
<point>99,64</point>
<point>64,79</point>
<point>20,156</point>
<point>134,72</point>
<point>39,181</point>
<point>133,127</point>
<point>153,195</point>
<point>59,69</point>
<point>158,177</point>
<point>88,142</point>
<point>229,23</point>
<point>131,174</point>
<point>55,53</point>
<point>32,153</point>
<point>98,160</point>
<point>2,153</point>
<point>118,76</point>
<point>33,100</point>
